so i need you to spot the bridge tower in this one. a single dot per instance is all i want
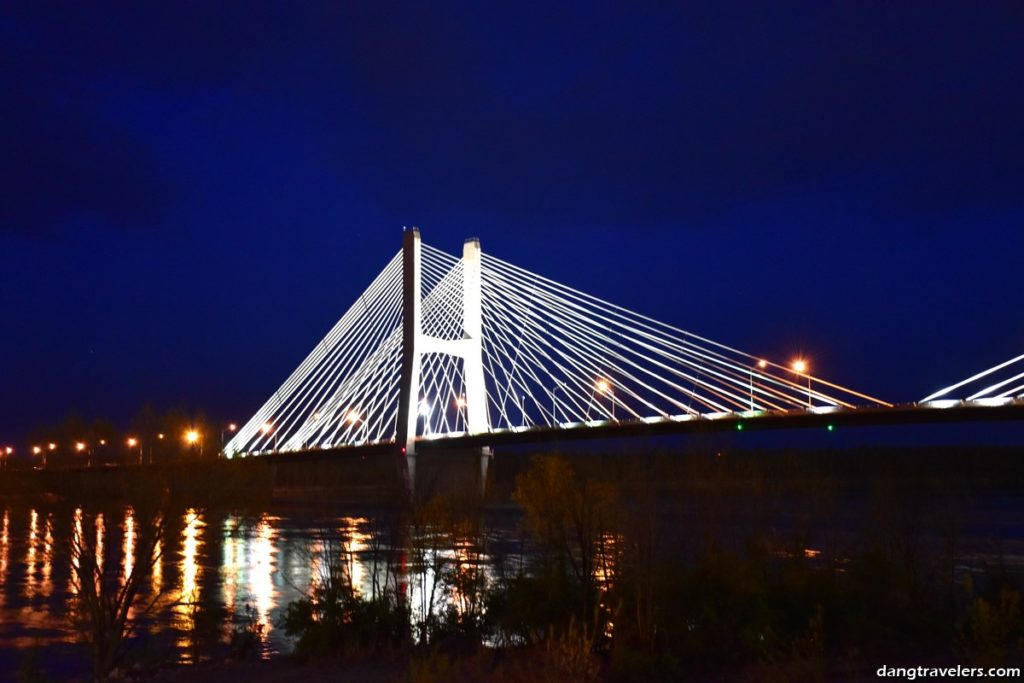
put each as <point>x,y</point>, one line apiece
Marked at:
<point>415,343</point>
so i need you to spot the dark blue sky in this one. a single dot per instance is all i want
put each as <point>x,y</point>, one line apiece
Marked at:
<point>192,193</point>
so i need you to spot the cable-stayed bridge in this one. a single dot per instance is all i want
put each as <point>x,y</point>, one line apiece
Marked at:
<point>475,351</point>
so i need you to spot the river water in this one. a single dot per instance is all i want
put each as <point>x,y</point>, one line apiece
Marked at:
<point>251,566</point>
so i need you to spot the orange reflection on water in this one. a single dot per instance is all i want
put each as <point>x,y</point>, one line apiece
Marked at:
<point>100,527</point>
<point>128,546</point>
<point>76,544</point>
<point>230,564</point>
<point>4,550</point>
<point>46,587</point>
<point>5,539</point>
<point>30,554</point>
<point>261,569</point>
<point>190,569</point>
<point>355,543</point>
<point>158,567</point>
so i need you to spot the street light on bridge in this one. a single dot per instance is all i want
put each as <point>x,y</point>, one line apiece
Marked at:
<point>761,365</point>
<point>230,428</point>
<point>603,386</point>
<point>460,406</point>
<point>132,443</point>
<point>266,428</point>
<point>800,367</point>
<point>192,437</point>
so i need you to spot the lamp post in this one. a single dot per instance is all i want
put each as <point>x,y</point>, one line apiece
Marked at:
<point>800,367</point>
<point>192,437</point>
<point>554,404</point>
<point>81,446</point>
<point>460,406</point>
<point>230,428</point>
<point>761,365</point>
<point>353,417</point>
<point>266,428</point>
<point>132,443</point>
<point>603,386</point>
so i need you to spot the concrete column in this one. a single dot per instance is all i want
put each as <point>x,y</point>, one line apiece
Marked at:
<point>477,421</point>
<point>412,330</point>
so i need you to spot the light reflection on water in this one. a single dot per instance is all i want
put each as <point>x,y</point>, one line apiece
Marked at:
<point>4,550</point>
<point>248,568</point>
<point>251,567</point>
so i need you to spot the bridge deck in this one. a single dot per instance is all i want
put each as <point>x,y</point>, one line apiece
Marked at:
<point>911,414</point>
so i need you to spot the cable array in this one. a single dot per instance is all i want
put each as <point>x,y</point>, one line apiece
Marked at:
<point>1001,383</point>
<point>556,356</point>
<point>552,356</point>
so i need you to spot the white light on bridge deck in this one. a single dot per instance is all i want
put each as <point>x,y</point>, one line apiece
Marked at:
<point>943,403</point>
<point>992,402</point>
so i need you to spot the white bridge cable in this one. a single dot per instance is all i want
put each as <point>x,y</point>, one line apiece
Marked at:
<point>280,431</point>
<point>309,405</point>
<point>250,430</point>
<point>585,375</point>
<point>577,328</point>
<point>664,331</point>
<point>974,389</point>
<point>551,355</point>
<point>603,350</point>
<point>637,359</point>
<point>727,373</point>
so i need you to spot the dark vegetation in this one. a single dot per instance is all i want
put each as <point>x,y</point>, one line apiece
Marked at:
<point>760,567</point>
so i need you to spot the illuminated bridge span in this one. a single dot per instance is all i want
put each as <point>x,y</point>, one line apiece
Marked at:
<point>476,351</point>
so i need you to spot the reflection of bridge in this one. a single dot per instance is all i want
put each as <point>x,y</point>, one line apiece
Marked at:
<point>474,351</point>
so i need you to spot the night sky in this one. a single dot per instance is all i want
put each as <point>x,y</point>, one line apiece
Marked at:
<point>193,193</point>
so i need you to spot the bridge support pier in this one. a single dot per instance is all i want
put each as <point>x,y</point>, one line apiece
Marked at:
<point>415,343</point>
<point>485,460</point>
